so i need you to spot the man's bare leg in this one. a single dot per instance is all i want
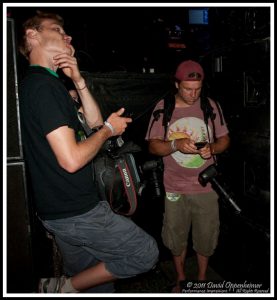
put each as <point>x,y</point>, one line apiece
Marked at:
<point>91,277</point>
<point>202,266</point>
<point>179,263</point>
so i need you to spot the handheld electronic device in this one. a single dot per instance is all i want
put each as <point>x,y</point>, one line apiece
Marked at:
<point>200,145</point>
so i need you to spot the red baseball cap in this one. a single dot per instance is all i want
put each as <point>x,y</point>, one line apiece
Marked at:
<point>189,70</point>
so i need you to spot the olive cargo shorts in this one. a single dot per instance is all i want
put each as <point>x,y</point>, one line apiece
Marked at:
<point>198,212</point>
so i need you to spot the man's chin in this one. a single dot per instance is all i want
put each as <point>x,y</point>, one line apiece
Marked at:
<point>70,50</point>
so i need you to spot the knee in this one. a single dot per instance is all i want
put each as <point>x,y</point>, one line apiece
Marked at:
<point>149,255</point>
<point>153,253</point>
<point>141,259</point>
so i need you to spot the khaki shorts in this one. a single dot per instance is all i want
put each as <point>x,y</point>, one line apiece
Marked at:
<point>196,212</point>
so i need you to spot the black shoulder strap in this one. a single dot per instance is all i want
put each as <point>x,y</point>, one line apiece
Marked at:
<point>156,116</point>
<point>220,112</point>
<point>169,105</point>
<point>167,110</point>
<point>207,109</point>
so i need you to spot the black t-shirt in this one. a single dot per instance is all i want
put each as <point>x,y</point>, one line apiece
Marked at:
<point>46,105</point>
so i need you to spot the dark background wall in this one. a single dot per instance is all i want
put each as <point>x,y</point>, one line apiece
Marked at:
<point>120,47</point>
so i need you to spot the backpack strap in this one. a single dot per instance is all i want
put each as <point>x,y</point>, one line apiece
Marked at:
<point>169,105</point>
<point>220,112</point>
<point>156,116</point>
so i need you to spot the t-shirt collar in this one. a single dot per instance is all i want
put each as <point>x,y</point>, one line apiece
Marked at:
<point>49,70</point>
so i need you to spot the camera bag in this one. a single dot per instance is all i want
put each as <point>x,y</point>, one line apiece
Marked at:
<point>117,179</point>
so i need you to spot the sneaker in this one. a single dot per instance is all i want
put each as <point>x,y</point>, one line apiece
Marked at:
<point>51,285</point>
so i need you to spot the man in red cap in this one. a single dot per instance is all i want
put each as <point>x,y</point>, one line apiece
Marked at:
<point>189,205</point>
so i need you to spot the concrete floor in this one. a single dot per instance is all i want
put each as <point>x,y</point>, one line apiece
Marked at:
<point>162,278</point>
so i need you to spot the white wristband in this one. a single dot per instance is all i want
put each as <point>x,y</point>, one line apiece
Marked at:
<point>110,126</point>
<point>173,146</point>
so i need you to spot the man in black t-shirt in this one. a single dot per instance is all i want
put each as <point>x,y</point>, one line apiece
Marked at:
<point>65,195</point>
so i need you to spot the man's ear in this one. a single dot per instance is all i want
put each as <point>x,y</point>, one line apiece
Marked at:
<point>31,33</point>
<point>176,85</point>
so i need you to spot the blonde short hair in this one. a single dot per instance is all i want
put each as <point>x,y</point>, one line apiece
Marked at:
<point>35,23</point>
